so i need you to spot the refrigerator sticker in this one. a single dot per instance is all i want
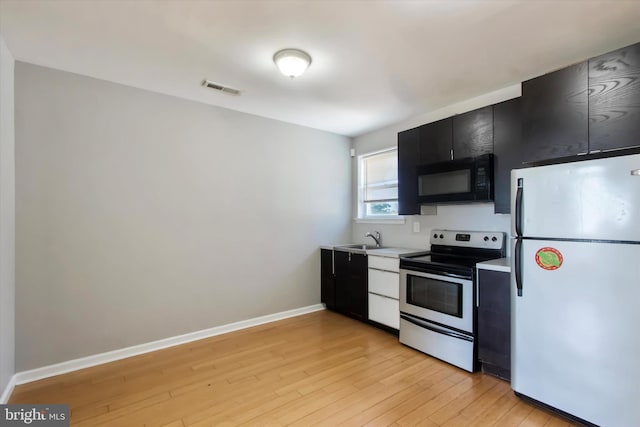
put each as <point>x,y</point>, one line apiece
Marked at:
<point>549,258</point>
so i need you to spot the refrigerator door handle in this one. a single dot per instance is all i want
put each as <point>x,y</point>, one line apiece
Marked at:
<point>518,212</point>
<point>518,266</point>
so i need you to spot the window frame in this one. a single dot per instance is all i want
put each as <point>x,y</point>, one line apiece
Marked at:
<point>362,217</point>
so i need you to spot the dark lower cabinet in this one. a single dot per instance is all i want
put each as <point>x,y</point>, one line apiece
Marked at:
<point>555,114</point>
<point>494,323</point>
<point>341,263</point>
<point>507,150</point>
<point>614,99</point>
<point>327,279</point>
<point>351,284</point>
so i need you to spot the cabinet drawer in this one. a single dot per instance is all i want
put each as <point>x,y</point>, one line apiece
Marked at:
<point>384,263</point>
<point>384,310</point>
<point>384,283</point>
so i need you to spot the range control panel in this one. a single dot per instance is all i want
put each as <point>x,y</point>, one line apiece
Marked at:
<point>469,239</point>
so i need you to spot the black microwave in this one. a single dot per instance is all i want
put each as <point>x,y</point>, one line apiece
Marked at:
<point>454,181</point>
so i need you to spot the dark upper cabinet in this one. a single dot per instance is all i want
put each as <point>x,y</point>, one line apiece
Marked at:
<point>507,150</point>
<point>555,114</point>
<point>327,280</point>
<point>588,107</point>
<point>466,135</point>
<point>585,108</point>
<point>408,158</point>
<point>430,143</point>
<point>614,99</point>
<point>473,133</point>
<point>436,141</point>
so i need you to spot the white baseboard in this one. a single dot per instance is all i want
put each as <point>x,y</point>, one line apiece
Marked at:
<point>110,356</point>
<point>6,394</point>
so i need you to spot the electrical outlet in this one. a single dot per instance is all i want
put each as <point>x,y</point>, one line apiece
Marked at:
<point>416,227</point>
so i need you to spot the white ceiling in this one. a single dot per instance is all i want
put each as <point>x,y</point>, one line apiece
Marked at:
<point>374,62</point>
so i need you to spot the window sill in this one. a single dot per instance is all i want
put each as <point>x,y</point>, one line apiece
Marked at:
<point>380,220</point>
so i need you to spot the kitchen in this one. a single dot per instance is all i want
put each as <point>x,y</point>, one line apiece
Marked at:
<point>572,190</point>
<point>101,206</point>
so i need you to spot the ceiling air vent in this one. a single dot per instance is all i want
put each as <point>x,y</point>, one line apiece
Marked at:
<point>221,88</point>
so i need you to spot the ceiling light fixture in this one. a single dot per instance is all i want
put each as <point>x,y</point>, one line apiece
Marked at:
<point>292,62</point>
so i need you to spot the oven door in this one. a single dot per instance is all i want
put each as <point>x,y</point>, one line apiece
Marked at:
<point>445,300</point>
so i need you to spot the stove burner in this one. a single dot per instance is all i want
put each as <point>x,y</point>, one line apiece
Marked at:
<point>457,252</point>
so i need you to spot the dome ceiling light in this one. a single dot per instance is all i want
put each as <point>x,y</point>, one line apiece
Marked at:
<point>292,62</point>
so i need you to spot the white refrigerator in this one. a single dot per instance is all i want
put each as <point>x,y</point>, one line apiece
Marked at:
<point>575,283</point>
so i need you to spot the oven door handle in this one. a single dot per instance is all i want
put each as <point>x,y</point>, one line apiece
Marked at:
<point>431,327</point>
<point>421,271</point>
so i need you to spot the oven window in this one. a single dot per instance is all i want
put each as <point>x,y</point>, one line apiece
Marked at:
<point>436,295</point>
<point>457,181</point>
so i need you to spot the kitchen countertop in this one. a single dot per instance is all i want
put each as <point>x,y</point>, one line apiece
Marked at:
<point>389,252</point>
<point>500,264</point>
<point>330,247</point>
<point>396,252</point>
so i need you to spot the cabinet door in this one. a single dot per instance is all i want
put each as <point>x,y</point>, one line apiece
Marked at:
<point>327,282</point>
<point>473,133</point>
<point>494,321</point>
<point>358,286</point>
<point>342,279</point>
<point>614,99</point>
<point>555,114</point>
<point>507,150</point>
<point>436,141</point>
<point>408,151</point>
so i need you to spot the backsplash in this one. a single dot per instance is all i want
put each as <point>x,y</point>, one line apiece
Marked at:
<point>478,217</point>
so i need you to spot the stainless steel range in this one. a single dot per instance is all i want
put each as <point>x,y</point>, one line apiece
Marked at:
<point>437,294</point>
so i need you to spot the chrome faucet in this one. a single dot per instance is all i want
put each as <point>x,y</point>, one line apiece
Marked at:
<point>375,237</point>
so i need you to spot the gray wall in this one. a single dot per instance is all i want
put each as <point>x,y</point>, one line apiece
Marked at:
<point>141,216</point>
<point>454,217</point>
<point>7,217</point>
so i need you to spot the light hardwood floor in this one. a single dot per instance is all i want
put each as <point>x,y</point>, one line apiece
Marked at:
<point>321,368</point>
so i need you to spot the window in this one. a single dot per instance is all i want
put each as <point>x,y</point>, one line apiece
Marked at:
<point>378,184</point>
